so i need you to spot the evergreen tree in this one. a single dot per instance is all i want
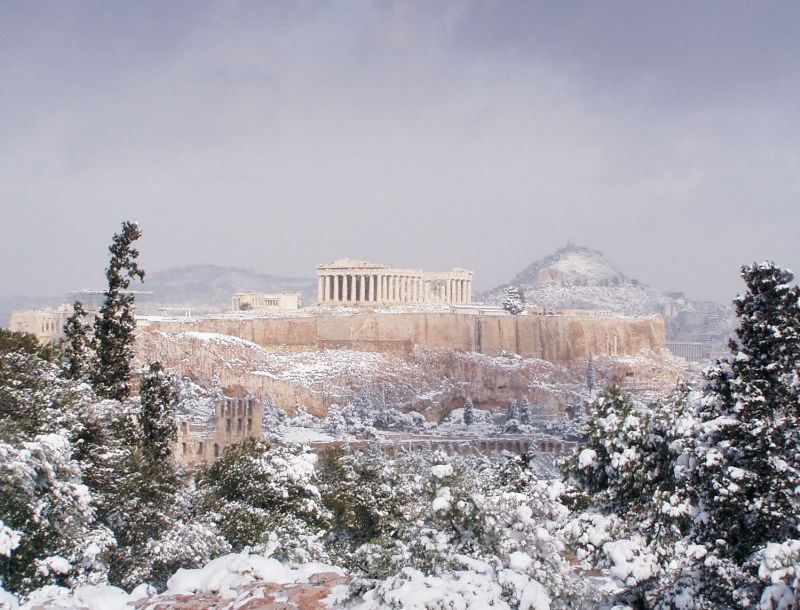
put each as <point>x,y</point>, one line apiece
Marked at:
<point>77,344</point>
<point>469,412</point>
<point>143,501</point>
<point>513,300</point>
<point>513,409</point>
<point>525,411</point>
<point>159,398</point>
<point>43,500</point>
<point>32,395</point>
<point>115,324</point>
<point>255,490</point>
<point>748,456</point>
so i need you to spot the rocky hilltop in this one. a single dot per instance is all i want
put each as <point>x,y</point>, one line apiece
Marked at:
<point>576,277</point>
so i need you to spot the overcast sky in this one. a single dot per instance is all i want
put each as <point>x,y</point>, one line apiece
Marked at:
<point>484,135</point>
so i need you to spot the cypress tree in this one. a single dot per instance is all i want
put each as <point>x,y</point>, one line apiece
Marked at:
<point>77,344</point>
<point>115,324</point>
<point>159,399</point>
<point>469,412</point>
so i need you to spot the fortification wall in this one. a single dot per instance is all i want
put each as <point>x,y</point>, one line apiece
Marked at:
<point>557,339</point>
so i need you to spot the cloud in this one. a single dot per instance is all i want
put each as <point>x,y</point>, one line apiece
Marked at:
<point>277,136</point>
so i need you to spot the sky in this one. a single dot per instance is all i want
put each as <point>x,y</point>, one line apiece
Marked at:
<point>478,134</point>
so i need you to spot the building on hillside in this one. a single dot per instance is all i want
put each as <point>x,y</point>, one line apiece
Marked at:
<point>235,420</point>
<point>260,301</point>
<point>354,282</point>
<point>47,324</point>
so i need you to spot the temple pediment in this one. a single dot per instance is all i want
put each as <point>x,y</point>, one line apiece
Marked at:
<point>350,263</point>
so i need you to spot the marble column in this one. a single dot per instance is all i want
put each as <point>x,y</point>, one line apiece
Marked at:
<point>372,294</point>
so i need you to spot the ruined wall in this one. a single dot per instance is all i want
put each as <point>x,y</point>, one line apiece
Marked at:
<point>235,420</point>
<point>557,339</point>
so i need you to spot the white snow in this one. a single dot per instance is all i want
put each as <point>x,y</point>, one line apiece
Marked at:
<point>225,574</point>
<point>441,471</point>
<point>587,458</point>
<point>9,539</point>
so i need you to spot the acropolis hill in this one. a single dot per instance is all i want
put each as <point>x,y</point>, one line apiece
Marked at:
<point>368,307</point>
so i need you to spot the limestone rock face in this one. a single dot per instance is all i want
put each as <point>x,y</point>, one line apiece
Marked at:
<point>430,381</point>
<point>559,339</point>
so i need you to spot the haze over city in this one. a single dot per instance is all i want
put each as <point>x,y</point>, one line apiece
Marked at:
<point>277,136</point>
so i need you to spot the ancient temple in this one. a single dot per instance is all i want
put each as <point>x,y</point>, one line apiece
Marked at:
<point>353,282</point>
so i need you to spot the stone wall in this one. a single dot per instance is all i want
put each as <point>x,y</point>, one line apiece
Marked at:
<point>557,339</point>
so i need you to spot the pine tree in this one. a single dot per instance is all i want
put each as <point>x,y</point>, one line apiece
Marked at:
<point>469,412</point>
<point>115,324</point>
<point>748,459</point>
<point>513,301</point>
<point>77,344</point>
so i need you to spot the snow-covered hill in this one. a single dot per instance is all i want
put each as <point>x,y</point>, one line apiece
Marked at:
<point>576,277</point>
<point>209,288</point>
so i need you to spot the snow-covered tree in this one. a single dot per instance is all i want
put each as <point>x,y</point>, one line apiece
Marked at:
<point>747,453</point>
<point>513,300</point>
<point>159,398</point>
<point>469,412</point>
<point>34,399</point>
<point>525,411</point>
<point>43,500</point>
<point>78,343</point>
<point>114,326</point>
<point>366,497</point>
<point>512,411</point>
<point>257,494</point>
<point>590,374</point>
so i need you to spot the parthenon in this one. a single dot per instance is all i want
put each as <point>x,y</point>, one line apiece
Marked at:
<point>354,282</point>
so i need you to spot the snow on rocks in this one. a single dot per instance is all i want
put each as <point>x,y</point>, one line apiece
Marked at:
<point>225,574</point>
<point>472,589</point>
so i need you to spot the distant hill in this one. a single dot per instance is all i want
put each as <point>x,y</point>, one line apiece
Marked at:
<point>576,277</point>
<point>209,288</point>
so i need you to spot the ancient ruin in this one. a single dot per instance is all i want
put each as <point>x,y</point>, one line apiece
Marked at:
<point>260,301</point>
<point>354,282</point>
<point>235,420</point>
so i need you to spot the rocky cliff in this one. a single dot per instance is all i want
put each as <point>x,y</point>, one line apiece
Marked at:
<point>559,339</point>
<point>430,381</point>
